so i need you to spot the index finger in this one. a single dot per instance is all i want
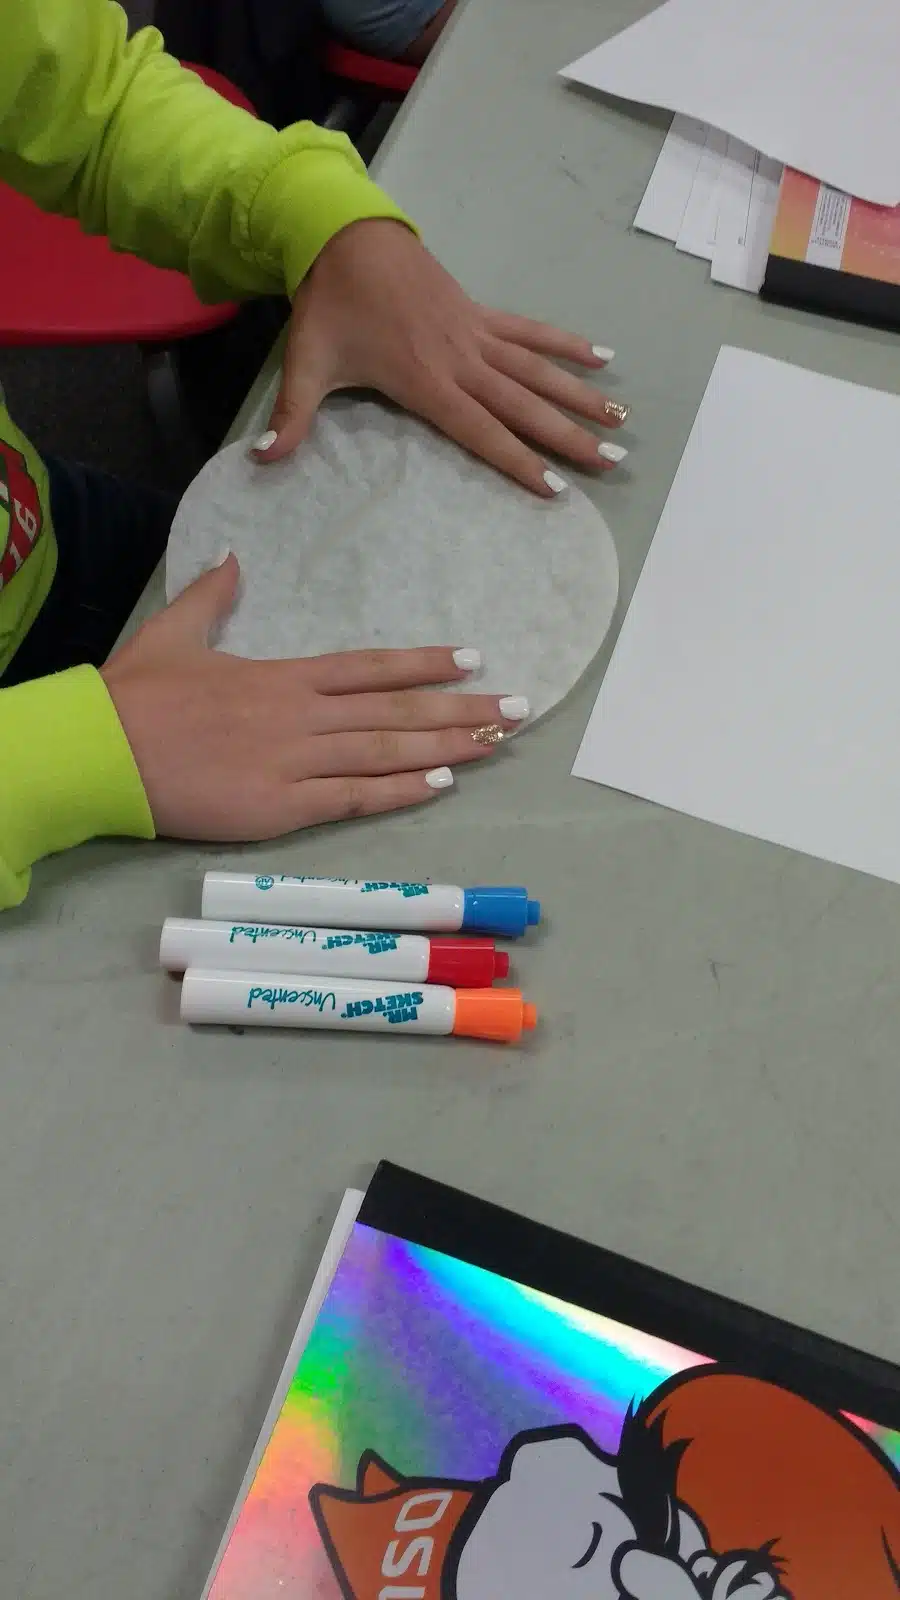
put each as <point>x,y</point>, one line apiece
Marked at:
<point>357,671</point>
<point>545,340</point>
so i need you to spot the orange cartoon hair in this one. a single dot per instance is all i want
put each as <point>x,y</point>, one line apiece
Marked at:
<point>760,1466</point>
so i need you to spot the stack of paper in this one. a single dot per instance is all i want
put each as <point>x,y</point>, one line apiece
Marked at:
<point>810,83</point>
<point>715,197</point>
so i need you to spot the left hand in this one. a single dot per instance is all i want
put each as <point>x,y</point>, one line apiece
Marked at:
<point>377,311</point>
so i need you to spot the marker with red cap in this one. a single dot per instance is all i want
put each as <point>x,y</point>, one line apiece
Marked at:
<point>330,953</point>
<point>289,1000</point>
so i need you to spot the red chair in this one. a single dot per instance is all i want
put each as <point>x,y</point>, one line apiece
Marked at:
<point>393,78</point>
<point>368,82</point>
<point>61,286</point>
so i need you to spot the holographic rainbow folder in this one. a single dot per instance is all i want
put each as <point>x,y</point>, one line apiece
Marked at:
<point>448,1432</point>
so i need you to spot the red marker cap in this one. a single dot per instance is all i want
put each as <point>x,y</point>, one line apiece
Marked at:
<point>466,963</point>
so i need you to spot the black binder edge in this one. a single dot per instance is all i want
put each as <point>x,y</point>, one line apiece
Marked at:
<point>832,1375</point>
<point>839,294</point>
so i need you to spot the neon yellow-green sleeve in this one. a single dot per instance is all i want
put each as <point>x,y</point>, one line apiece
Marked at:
<point>114,131</point>
<point>66,774</point>
<point>117,133</point>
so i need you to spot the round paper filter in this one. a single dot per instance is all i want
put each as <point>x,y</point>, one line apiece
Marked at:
<point>378,532</point>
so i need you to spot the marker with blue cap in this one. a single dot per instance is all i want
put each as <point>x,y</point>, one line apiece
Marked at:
<point>494,910</point>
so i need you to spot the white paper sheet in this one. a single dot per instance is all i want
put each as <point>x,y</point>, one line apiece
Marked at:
<point>735,189</point>
<point>662,209</point>
<point>811,83</point>
<point>697,234</point>
<point>748,200</point>
<point>756,680</point>
<point>716,198</point>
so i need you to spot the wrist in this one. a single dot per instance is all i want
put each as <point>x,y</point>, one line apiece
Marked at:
<point>72,774</point>
<point>329,196</point>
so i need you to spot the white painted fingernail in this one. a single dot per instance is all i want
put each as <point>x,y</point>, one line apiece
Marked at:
<point>515,708</point>
<point>603,353</point>
<point>613,452</point>
<point>266,441</point>
<point>222,554</point>
<point>440,778</point>
<point>555,482</point>
<point>467,660</point>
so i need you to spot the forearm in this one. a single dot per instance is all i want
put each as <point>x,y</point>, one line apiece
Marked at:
<point>117,133</point>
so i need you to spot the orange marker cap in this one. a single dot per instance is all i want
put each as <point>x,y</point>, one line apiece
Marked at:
<point>498,1014</point>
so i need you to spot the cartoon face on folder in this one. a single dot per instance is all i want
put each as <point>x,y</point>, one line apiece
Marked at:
<point>723,1487</point>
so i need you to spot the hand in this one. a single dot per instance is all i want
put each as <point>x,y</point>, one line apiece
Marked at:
<point>245,750</point>
<point>741,1576</point>
<point>378,312</point>
<point>647,1575</point>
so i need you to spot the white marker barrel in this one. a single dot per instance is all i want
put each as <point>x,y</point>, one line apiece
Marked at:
<point>288,1000</point>
<point>333,902</point>
<point>258,947</point>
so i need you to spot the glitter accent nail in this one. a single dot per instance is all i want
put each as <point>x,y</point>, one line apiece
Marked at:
<point>492,734</point>
<point>616,411</point>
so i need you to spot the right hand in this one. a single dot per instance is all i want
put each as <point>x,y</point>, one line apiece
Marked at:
<point>230,749</point>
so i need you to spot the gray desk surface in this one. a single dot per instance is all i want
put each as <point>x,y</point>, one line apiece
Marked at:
<point>715,1088</point>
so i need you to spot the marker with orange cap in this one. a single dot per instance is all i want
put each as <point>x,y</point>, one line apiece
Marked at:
<point>287,1000</point>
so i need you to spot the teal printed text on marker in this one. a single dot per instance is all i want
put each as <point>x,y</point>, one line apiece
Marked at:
<point>409,891</point>
<point>311,999</point>
<point>395,1008</point>
<point>257,931</point>
<point>289,877</point>
<point>375,944</point>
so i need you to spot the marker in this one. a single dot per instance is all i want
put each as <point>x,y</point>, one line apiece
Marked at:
<point>331,952</point>
<point>503,913</point>
<point>289,1000</point>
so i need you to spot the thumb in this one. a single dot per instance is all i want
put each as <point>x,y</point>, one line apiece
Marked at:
<point>203,605</point>
<point>306,379</point>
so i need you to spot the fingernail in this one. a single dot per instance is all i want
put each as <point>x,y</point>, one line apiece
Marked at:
<point>492,734</point>
<point>222,554</point>
<point>467,660</point>
<point>515,708</point>
<point>616,411</point>
<point>439,778</point>
<point>265,441</point>
<point>603,353</point>
<point>613,452</point>
<point>554,482</point>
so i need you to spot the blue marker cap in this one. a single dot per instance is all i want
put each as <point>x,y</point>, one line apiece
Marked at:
<point>503,913</point>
